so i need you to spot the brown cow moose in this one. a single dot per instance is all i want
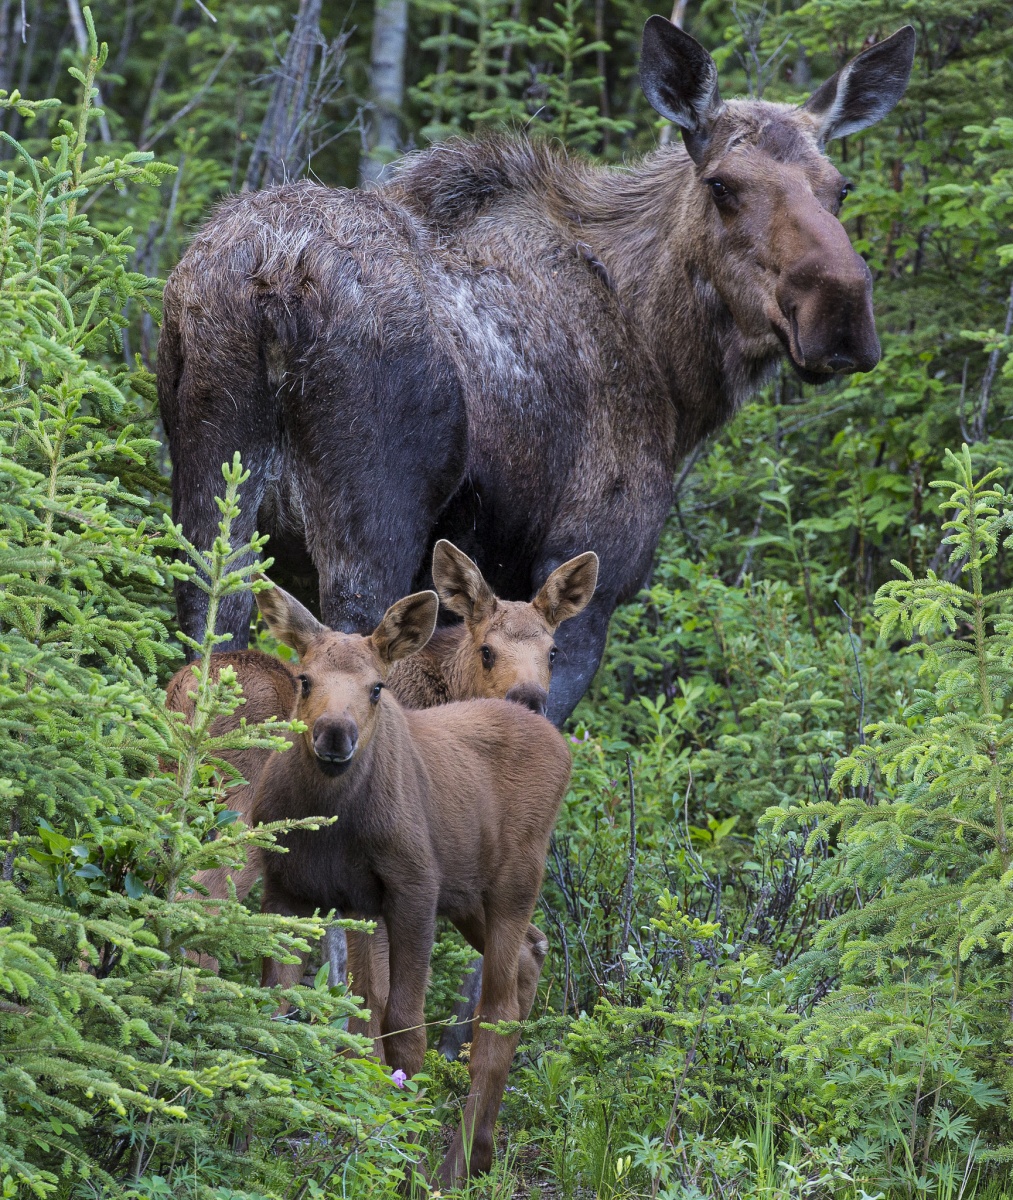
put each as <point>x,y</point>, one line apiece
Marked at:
<point>442,811</point>
<point>511,347</point>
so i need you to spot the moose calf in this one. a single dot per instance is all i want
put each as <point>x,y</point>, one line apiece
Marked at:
<point>445,811</point>
<point>502,649</point>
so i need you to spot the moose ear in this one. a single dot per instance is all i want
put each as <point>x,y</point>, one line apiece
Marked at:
<point>864,90</point>
<point>680,81</point>
<point>568,589</point>
<point>460,584</point>
<point>406,626</point>
<point>288,620</point>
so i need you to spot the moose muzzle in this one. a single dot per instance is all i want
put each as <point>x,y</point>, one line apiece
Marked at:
<point>531,695</point>
<point>335,740</point>
<point>825,298</point>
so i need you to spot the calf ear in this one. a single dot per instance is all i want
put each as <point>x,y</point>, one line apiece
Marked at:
<point>288,620</point>
<point>406,626</point>
<point>865,89</point>
<point>460,584</point>
<point>568,589</point>
<point>680,81</point>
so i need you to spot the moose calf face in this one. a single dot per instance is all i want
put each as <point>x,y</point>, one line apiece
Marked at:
<point>510,644</point>
<point>341,675</point>
<point>768,199</point>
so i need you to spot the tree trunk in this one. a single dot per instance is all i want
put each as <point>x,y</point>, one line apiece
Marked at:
<point>280,149</point>
<point>387,59</point>
<point>678,18</point>
<point>336,952</point>
<point>6,45</point>
<point>81,36</point>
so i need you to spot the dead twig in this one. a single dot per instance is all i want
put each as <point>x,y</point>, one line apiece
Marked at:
<point>631,864</point>
<point>978,429</point>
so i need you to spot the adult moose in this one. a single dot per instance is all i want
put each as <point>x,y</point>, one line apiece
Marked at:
<point>509,347</point>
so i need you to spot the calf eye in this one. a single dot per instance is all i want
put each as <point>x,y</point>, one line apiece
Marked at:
<point>845,192</point>
<point>552,655</point>
<point>374,695</point>
<point>304,683</point>
<point>487,657</point>
<point>718,189</point>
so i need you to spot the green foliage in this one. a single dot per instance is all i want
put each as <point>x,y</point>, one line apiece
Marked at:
<point>785,972</point>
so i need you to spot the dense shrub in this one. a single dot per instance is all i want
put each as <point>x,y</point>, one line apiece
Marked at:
<point>123,1069</point>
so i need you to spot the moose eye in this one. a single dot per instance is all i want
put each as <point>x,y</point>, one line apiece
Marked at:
<point>718,189</point>
<point>374,695</point>
<point>552,655</point>
<point>487,657</point>
<point>304,683</point>
<point>845,192</point>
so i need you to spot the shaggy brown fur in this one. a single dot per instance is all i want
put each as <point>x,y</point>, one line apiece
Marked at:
<point>511,347</point>
<point>445,811</point>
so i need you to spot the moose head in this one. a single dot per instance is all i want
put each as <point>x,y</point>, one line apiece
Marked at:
<point>769,200</point>
<point>341,675</point>
<point>508,648</point>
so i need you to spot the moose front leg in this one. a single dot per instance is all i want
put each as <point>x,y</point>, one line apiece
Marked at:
<point>274,973</point>
<point>580,643</point>
<point>369,968</point>
<point>411,930</point>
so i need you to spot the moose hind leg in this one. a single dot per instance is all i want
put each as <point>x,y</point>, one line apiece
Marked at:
<point>513,962</point>
<point>199,448</point>
<point>376,465</point>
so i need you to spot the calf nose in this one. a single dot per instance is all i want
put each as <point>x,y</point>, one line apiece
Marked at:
<point>335,739</point>
<point>531,696</point>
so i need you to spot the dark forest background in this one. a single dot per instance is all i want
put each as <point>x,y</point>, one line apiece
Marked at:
<point>780,898</point>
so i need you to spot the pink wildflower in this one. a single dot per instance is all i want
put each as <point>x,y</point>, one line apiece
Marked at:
<point>399,1079</point>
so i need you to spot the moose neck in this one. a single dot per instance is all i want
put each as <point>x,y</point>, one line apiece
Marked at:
<point>648,226</point>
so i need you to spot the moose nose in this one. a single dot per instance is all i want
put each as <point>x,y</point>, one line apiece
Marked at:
<point>824,293</point>
<point>841,363</point>
<point>531,696</point>
<point>335,740</point>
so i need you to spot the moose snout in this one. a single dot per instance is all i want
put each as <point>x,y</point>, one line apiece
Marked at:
<point>827,304</point>
<point>531,695</point>
<point>335,740</point>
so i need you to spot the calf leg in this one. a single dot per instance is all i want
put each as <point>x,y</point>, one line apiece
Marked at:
<point>369,968</point>
<point>411,929</point>
<point>514,953</point>
<point>274,973</point>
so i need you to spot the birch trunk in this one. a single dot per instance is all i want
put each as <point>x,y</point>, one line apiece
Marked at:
<point>387,59</point>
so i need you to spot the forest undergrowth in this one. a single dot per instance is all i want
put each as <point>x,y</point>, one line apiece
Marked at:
<point>780,895</point>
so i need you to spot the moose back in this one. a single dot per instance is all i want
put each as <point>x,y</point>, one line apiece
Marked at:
<point>510,347</point>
